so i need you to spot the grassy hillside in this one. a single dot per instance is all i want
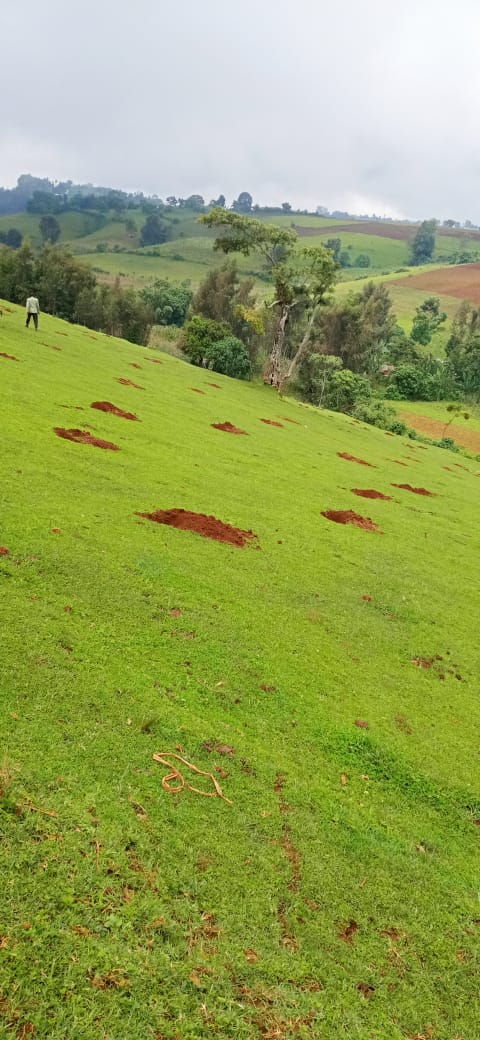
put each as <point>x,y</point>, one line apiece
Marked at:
<point>325,675</point>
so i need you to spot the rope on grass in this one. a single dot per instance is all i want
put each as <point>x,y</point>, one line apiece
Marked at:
<point>175,774</point>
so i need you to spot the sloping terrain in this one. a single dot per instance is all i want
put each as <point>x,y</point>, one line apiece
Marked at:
<point>319,665</point>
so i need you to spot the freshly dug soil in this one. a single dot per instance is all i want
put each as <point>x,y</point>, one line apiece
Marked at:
<point>227,427</point>
<point>128,382</point>
<point>196,390</point>
<point>271,422</point>
<point>416,491</point>
<point>370,493</point>
<point>217,387</point>
<point>9,356</point>
<point>347,516</point>
<point>82,437</point>
<point>4,551</point>
<point>352,458</point>
<point>107,406</point>
<point>200,523</point>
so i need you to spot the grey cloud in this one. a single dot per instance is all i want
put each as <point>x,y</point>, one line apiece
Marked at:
<point>293,100</point>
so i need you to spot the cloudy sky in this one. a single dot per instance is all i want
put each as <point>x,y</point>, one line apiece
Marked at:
<point>368,105</point>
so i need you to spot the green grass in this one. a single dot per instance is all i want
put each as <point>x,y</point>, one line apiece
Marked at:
<point>130,912</point>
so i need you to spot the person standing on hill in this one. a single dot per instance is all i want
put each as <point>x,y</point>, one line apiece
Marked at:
<point>33,310</point>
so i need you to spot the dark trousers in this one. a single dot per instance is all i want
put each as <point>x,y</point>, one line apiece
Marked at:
<point>35,319</point>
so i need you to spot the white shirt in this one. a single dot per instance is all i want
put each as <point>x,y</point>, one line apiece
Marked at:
<point>33,306</point>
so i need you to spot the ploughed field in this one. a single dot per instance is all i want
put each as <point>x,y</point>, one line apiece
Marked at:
<point>239,787</point>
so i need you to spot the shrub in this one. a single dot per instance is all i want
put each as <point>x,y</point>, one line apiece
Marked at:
<point>199,334</point>
<point>379,414</point>
<point>344,389</point>
<point>229,356</point>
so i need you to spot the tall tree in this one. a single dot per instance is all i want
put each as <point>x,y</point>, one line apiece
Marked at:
<point>244,203</point>
<point>424,243</point>
<point>49,228</point>
<point>428,318</point>
<point>301,277</point>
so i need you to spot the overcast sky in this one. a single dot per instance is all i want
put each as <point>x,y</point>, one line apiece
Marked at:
<point>365,105</point>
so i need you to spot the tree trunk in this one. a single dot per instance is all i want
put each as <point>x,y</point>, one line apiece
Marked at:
<point>273,372</point>
<point>302,348</point>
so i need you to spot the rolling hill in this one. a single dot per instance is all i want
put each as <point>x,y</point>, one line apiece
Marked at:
<point>307,641</point>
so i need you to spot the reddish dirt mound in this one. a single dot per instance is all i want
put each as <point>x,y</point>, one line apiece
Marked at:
<point>133,364</point>
<point>227,427</point>
<point>200,523</point>
<point>352,458</point>
<point>286,419</point>
<point>271,422</point>
<point>9,356</point>
<point>217,387</point>
<point>107,406</point>
<point>370,493</point>
<point>347,516</point>
<point>51,345</point>
<point>82,437</point>
<point>4,551</point>
<point>128,382</point>
<point>196,390</point>
<point>416,491</point>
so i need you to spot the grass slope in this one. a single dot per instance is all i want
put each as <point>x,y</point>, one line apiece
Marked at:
<point>337,895</point>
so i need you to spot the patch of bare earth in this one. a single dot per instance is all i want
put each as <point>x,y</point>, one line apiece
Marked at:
<point>347,516</point>
<point>201,523</point>
<point>107,406</point>
<point>353,458</point>
<point>228,427</point>
<point>436,429</point>
<point>82,437</point>
<point>371,493</point>
<point>416,491</point>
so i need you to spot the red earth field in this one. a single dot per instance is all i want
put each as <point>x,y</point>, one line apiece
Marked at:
<point>462,282</point>
<point>435,428</point>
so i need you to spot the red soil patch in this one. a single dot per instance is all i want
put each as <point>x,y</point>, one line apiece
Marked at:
<point>4,551</point>
<point>435,428</point>
<point>347,933</point>
<point>286,419</point>
<point>228,428</point>
<point>82,437</point>
<point>217,387</point>
<point>9,356</point>
<point>133,364</point>
<point>367,598</point>
<point>370,493</point>
<point>461,281</point>
<point>423,662</point>
<point>362,724</point>
<point>156,361</point>
<point>106,406</point>
<point>128,382</point>
<point>347,516</point>
<point>271,422</point>
<point>200,523</point>
<point>352,458</point>
<point>416,491</point>
<point>51,345</point>
<point>196,390</point>
<point>449,468</point>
